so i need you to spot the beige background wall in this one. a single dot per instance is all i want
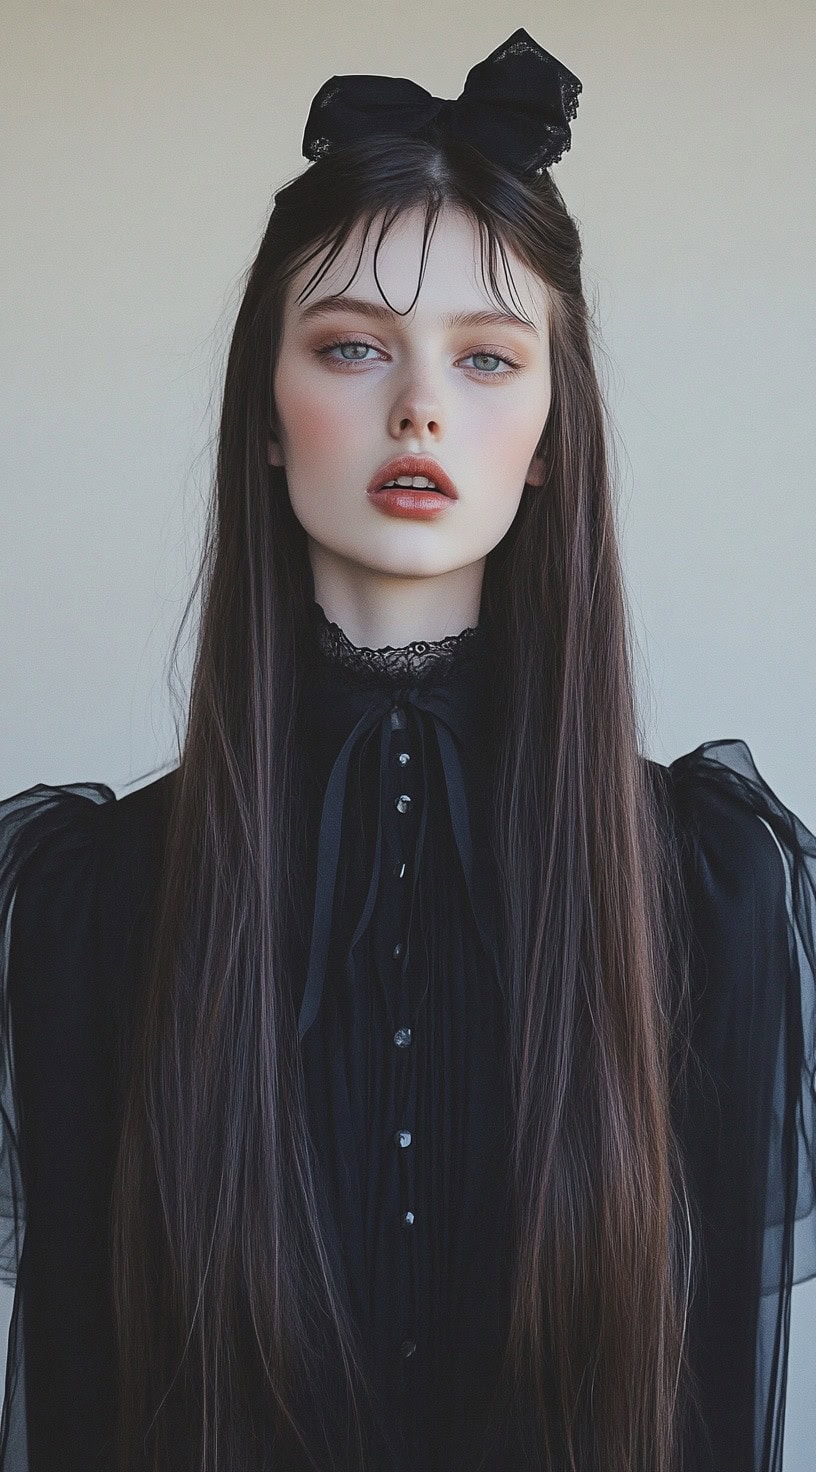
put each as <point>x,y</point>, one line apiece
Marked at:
<point>142,143</point>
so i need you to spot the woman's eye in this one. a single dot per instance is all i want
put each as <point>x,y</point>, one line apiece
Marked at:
<point>360,349</point>
<point>496,358</point>
<point>346,343</point>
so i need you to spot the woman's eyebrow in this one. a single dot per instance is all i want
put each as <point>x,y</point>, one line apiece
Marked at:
<point>380,313</point>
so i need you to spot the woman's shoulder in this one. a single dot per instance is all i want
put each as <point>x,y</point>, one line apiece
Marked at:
<point>56,820</point>
<point>66,846</point>
<point>732,827</point>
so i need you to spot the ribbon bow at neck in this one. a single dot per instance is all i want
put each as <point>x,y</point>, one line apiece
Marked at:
<point>515,108</point>
<point>386,708</point>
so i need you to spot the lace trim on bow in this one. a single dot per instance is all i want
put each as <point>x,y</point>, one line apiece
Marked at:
<point>420,660</point>
<point>558,140</point>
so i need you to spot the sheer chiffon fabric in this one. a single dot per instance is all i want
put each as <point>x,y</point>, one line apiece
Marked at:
<point>78,881</point>
<point>751,885</point>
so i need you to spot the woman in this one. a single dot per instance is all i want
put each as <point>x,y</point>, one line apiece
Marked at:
<point>416,1076</point>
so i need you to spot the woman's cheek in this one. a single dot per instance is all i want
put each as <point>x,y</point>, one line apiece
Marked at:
<point>318,422</point>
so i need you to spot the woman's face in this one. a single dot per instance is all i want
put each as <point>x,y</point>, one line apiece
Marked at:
<point>356,385</point>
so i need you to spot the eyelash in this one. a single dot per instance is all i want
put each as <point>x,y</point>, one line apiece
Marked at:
<point>513,366</point>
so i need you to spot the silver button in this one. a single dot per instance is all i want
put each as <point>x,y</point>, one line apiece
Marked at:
<point>407,1348</point>
<point>407,1218</point>
<point>402,1138</point>
<point>402,803</point>
<point>404,758</point>
<point>402,1037</point>
<point>398,950</point>
<point>399,873</point>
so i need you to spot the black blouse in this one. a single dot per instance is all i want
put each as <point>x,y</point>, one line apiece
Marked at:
<point>402,1031</point>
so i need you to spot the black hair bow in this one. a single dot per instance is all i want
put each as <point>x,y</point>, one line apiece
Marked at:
<point>515,108</point>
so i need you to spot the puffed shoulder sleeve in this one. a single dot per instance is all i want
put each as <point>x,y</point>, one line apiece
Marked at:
<point>754,895</point>
<point>41,825</point>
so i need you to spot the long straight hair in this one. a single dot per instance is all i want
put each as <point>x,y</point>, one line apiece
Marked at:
<point>223,1289</point>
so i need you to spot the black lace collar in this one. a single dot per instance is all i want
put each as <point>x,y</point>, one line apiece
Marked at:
<point>420,662</point>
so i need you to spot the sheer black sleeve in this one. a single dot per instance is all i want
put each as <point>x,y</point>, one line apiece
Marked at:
<point>41,820</point>
<point>752,886</point>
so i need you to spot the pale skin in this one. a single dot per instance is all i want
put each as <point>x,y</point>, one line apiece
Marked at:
<point>418,386</point>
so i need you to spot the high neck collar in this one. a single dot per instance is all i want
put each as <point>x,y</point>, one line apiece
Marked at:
<point>421,662</point>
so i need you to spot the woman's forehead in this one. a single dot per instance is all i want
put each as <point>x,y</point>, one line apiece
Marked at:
<point>454,277</point>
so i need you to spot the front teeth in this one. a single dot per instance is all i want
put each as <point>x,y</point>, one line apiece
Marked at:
<point>419,482</point>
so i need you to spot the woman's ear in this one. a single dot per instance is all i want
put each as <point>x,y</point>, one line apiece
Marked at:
<point>536,472</point>
<point>274,453</point>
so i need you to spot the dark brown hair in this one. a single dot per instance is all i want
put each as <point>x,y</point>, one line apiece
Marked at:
<point>223,1289</point>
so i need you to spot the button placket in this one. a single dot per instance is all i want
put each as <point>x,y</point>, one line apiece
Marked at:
<point>403,790</point>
